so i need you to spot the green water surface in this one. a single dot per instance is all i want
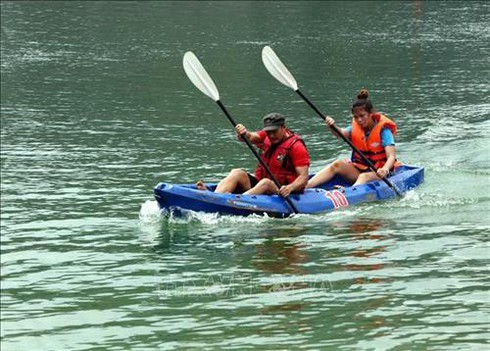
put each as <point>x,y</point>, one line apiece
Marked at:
<point>96,110</point>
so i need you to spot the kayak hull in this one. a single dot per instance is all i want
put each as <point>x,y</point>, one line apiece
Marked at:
<point>179,198</point>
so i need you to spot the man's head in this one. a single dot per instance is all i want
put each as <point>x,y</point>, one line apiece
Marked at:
<point>274,126</point>
<point>273,121</point>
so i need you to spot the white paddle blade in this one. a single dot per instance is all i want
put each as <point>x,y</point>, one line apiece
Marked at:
<point>277,68</point>
<point>198,76</point>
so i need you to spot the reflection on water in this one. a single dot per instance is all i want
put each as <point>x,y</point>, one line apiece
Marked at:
<point>361,229</point>
<point>368,258</point>
<point>277,254</point>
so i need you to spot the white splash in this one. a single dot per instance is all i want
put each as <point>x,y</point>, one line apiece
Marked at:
<point>150,212</point>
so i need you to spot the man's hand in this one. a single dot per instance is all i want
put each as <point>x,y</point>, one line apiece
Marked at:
<point>240,129</point>
<point>285,190</point>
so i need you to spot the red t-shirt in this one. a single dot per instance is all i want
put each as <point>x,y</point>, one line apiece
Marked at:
<point>298,153</point>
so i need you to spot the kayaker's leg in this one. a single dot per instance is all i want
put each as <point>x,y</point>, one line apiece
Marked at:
<point>264,186</point>
<point>366,177</point>
<point>236,178</point>
<point>340,167</point>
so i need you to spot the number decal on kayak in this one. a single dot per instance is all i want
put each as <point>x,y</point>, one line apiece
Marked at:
<point>338,199</point>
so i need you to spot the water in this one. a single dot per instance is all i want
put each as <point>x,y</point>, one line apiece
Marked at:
<point>96,110</point>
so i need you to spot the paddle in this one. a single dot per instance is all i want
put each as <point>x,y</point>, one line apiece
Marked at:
<point>201,79</point>
<point>279,71</point>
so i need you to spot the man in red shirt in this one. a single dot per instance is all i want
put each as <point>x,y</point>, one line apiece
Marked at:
<point>283,151</point>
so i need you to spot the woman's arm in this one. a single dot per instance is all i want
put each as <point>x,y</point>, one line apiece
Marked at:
<point>329,121</point>
<point>388,141</point>
<point>390,162</point>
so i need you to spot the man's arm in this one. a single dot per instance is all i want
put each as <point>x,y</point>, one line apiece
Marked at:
<point>298,184</point>
<point>254,137</point>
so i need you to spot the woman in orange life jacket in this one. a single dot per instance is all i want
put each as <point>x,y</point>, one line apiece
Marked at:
<point>284,153</point>
<point>374,135</point>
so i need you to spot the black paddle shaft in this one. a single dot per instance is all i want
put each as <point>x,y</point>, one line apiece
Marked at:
<point>339,133</point>
<point>249,144</point>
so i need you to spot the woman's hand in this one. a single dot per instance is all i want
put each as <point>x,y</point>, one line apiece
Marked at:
<point>329,121</point>
<point>383,172</point>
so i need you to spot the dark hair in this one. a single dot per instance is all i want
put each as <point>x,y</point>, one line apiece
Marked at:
<point>363,101</point>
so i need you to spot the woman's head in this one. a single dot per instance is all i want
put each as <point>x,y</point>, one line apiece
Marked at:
<point>362,109</point>
<point>363,102</point>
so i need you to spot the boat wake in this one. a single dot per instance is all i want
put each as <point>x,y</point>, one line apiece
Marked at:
<point>150,213</point>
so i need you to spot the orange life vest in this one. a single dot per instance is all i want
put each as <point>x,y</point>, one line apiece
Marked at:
<point>277,158</point>
<point>371,146</point>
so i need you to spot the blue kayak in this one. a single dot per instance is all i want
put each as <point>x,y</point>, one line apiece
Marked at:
<point>179,198</point>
